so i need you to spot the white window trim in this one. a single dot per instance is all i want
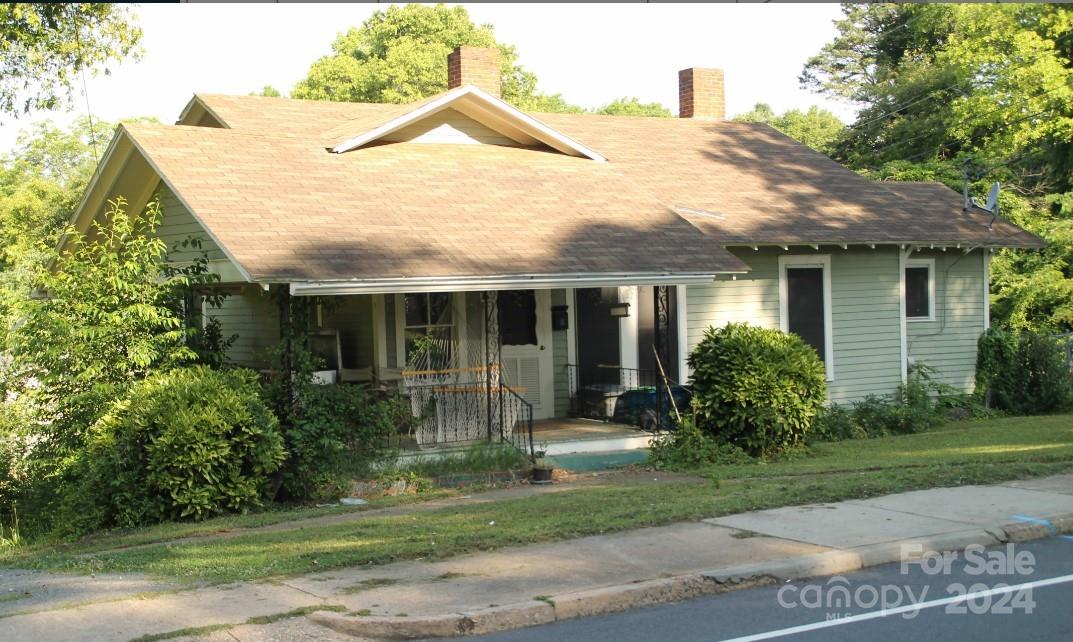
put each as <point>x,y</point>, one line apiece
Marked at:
<point>810,260</point>
<point>920,263</point>
<point>458,326</point>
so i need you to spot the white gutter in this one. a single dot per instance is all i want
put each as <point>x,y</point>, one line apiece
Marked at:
<point>471,284</point>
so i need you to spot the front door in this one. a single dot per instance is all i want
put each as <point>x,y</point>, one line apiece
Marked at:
<point>597,337</point>
<point>525,329</point>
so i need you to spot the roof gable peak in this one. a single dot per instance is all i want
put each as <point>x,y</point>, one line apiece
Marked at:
<point>483,108</point>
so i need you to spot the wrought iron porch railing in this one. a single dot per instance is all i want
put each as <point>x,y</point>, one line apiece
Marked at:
<point>459,413</point>
<point>642,398</point>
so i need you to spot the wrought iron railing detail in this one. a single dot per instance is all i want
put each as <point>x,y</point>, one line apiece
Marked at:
<point>460,413</point>
<point>521,433</point>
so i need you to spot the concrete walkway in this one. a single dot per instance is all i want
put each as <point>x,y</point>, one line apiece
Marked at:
<point>530,584</point>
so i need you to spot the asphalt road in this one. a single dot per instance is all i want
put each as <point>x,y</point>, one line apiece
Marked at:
<point>1037,605</point>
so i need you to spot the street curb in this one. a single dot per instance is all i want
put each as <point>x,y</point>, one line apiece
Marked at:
<point>622,597</point>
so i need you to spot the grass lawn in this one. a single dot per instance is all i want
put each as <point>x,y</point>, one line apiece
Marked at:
<point>960,453</point>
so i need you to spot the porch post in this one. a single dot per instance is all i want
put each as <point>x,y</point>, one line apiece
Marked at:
<point>286,330</point>
<point>662,330</point>
<point>488,328</point>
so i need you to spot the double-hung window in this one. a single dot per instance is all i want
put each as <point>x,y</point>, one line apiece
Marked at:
<point>428,324</point>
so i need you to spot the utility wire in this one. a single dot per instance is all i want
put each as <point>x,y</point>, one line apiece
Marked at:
<point>85,92</point>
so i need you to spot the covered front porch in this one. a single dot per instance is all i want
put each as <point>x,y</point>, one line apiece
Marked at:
<point>556,369</point>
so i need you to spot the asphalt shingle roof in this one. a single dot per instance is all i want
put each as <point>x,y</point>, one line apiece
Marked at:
<point>288,209</point>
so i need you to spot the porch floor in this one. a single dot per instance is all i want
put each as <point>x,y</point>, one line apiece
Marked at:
<point>567,435</point>
<point>565,428</point>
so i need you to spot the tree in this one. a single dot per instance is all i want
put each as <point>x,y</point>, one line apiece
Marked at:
<point>41,181</point>
<point>400,55</point>
<point>760,113</point>
<point>268,91</point>
<point>44,46</point>
<point>818,128</point>
<point>981,89</point>
<point>633,107</point>
<point>107,316</point>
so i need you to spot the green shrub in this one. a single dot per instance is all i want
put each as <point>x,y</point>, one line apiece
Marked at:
<point>1022,373</point>
<point>334,432</point>
<point>687,448</point>
<point>919,404</point>
<point>835,423</point>
<point>756,388</point>
<point>188,443</point>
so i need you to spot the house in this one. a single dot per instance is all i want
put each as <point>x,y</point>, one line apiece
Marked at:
<point>558,253</point>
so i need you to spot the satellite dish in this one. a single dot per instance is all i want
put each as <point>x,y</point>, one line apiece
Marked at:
<point>992,200</point>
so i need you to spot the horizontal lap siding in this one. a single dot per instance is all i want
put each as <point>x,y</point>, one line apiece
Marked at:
<point>451,127</point>
<point>948,344</point>
<point>865,323</point>
<point>752,298</point>
<point>864,300</point>
<point>178,225</point>
<point>254,317</point>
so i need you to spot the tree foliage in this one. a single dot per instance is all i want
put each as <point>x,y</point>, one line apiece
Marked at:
<point>44,47</point>
<point>104,317</point>
<point>982,87</point>
<point>818,128</point>
<point>400,55</point>
<point>630,106</point>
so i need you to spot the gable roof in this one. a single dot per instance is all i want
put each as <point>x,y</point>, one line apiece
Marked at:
<point>473,102</point>
<point>287,210</point>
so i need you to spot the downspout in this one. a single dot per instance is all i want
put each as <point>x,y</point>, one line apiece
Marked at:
<point>903,255</point>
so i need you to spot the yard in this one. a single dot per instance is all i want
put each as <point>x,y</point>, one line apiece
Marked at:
<point>280,543</point>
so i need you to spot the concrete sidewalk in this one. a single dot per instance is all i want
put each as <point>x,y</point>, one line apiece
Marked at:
<point>528,585</point>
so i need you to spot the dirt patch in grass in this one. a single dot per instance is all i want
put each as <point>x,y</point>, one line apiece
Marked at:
<point>369,584</point>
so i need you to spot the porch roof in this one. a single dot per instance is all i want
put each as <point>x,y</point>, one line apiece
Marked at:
<point>501,282</point>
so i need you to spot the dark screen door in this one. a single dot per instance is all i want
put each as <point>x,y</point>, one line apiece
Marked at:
<point>804,306</point>
<point>597,336</point>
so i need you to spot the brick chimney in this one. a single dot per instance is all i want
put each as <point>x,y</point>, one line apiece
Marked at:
<point>700,94</point>
<point>474,66</point>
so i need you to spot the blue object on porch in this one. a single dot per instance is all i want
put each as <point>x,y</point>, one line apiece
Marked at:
<point>638,407</point>
<point>590,462</point>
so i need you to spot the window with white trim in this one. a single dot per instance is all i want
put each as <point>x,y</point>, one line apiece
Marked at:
<point>427,314</point>
<point>919,290</point>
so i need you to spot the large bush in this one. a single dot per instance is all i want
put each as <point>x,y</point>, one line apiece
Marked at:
<point>1022,373</point>
<point>756,388</point>
<point>188,443</point>
<point>333,433</point>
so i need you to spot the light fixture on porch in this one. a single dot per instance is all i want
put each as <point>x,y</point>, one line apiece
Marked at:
<point>620,310</point>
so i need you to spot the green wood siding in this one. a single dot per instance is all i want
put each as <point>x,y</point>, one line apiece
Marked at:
<point>865,322</point>
<point>948,344</point>
<point>866,327</point>
<point>559,359</point>
<point>178,225</point>
<point>253,316</point>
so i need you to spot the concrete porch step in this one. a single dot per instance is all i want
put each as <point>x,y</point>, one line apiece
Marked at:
<point>593,461</point>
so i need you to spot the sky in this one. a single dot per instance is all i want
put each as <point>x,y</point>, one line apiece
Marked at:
<point>590,53</point>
